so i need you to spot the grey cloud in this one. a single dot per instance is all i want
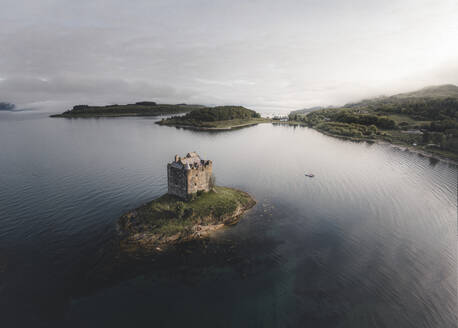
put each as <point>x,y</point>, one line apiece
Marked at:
<point>68,90</point>
<point>263,54</point>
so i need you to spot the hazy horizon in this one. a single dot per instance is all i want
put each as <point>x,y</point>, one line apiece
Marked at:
<point>260,54</point>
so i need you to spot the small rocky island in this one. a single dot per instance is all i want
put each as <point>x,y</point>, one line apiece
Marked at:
<point>192,208</point>
<point>6,106</point>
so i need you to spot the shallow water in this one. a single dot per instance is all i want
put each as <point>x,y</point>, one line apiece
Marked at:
<point>370,241</point>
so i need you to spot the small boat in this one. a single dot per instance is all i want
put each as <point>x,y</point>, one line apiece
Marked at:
<point>309,175</point>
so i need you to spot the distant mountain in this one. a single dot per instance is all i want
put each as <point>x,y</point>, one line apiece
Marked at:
<point>305,110</point>
<point>438,91</point>
<point>6,106</point>
<point>431,93</point>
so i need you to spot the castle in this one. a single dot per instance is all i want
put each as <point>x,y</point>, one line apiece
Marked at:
<point>188,175</point>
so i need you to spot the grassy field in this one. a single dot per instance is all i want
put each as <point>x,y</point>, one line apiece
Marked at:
<point>169,216</point>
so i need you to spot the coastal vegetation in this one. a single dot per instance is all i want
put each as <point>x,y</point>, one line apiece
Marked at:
<point>142,108</point>
<point>220,117</point>
<point>418,119</point>
<point>169,220</point>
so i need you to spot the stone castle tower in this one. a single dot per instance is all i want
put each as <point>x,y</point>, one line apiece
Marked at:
<point>187,175</point>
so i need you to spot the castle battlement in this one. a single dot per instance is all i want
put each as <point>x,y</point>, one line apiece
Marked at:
<point>188,175</point>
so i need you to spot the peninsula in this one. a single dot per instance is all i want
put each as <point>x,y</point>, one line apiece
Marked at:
<point>142,108</point>
<point>192,208</point>
<point>425,120</point>
<point>216,118</point>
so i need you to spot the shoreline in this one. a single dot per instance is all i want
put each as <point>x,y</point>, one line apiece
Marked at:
<point>208,128</point>
<point>400,146</point>
<point>105,115</point>
<point>204,128</point>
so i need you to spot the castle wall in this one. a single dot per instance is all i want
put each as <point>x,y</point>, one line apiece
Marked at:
<point>199,179</point>
<point>184,179</point>
<point>177,181</point>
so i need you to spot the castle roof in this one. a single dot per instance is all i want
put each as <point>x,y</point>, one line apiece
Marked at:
<point>189,161</point>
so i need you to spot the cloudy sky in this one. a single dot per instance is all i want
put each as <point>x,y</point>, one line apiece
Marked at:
<point>262,54</point>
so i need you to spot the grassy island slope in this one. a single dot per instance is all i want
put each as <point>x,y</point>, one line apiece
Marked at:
<point>168,220</point>
<point>142,108</point>
<point>425,120</point>
<point>216,118</point>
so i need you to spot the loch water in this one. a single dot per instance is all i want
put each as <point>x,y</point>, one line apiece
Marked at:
<point>370,241</point>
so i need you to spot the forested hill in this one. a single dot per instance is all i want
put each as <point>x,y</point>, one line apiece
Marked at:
<point>142,108</point>
<point>427,118</point>
<point>440,91</point>
<point>221,113</point>
<point>435,103</point>
<point>220,117</point>
<point>306,110</point>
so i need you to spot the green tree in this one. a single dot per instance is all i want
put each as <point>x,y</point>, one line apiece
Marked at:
<point>179,209</point>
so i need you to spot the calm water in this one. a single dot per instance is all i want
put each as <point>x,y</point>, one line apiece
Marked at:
<point>371,241</point>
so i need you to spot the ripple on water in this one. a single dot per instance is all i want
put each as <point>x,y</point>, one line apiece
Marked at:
<point>370,241</point>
